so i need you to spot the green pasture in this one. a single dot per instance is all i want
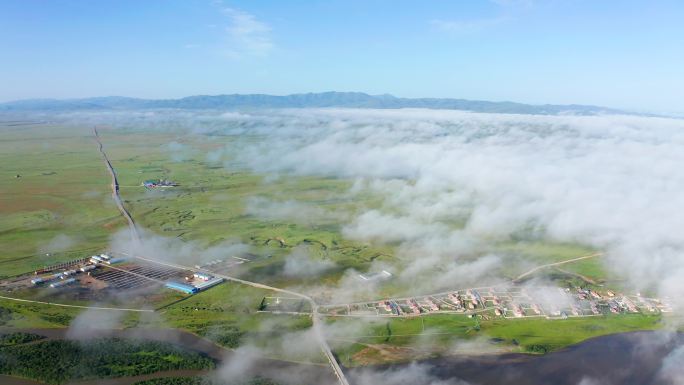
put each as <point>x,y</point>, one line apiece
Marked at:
<point>439,332</point>
<point>62,192</point>
<point>60,208</point>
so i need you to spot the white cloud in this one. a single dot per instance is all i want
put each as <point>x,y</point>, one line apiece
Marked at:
<point>671,370</point>
<point>290,210</point>
<point>414,374</point>
<point>612,182</point>
<point>94,323</point>
<point>246,34</point>
<point>450,182</point>
<point>508,10</point>
<point>174,250</point>
<point>300,264</point>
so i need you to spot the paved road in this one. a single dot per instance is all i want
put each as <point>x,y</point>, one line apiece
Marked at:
<point>115,190</point>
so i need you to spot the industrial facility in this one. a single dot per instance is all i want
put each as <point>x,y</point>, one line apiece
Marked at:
<point>99,276</point>
<point>196,282</point>
<point>64,273</point>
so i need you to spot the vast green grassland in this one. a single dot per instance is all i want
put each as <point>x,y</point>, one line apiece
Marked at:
<point>61,206</point>
<point>441,334</point>
<point>29,315</point>
<point>62,192</point>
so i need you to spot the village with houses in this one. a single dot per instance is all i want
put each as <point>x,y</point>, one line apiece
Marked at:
<point>510,301</point>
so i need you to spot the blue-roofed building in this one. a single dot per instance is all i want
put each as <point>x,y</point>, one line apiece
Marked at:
<point>187,289</point>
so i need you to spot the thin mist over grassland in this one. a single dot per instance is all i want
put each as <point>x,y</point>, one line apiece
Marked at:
<point>611,182</point>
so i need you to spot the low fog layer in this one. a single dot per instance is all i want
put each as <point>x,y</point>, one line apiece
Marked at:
<point>611,182</point>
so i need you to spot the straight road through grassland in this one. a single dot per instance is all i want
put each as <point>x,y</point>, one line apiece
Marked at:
<point>115,190</point>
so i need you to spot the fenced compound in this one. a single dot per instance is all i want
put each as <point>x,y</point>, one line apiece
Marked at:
<point>136,276</point>
<point>61,266</point>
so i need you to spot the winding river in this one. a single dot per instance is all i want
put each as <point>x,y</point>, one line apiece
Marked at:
<point>620,359</point>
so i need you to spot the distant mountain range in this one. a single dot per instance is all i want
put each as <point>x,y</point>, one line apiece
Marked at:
<point>324,99</point>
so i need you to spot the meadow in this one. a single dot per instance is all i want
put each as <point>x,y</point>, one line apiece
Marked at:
<point>59,208</point>
<point>380,341</point>
<point>54,197</point>
<point>211,206</point>
<point>228,315</point>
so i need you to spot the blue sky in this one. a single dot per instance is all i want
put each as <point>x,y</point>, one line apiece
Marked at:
<point>625,53</point>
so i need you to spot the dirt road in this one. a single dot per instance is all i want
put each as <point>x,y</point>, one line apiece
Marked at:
<point>532,271</point>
